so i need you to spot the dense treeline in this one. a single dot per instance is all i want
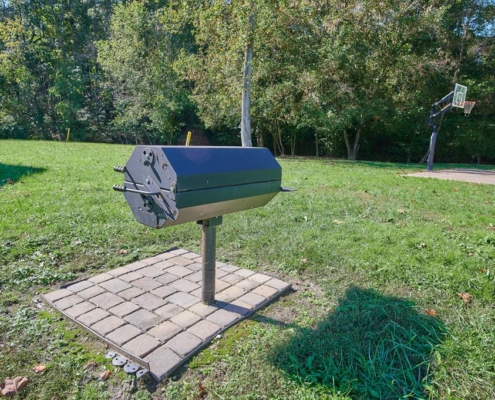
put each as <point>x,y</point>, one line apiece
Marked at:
<point>325,77</point>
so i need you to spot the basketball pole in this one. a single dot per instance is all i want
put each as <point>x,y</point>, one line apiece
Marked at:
<point>447,103</point>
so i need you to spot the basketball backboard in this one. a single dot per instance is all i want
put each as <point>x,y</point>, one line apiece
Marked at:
<point>459,96</point>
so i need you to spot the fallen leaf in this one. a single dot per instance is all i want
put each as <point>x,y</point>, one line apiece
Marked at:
<point>466,297</point>
<point>338,221</point>
<point>77,242</point>
<point>470,254</point>
<point>105,375</point>
<point>401,211</point>
<point>304,260</point>
<point>202,391</point>
<point>122,251</point>
<point>39,368</point>
<point>431,313</point>
<point>12,386</point>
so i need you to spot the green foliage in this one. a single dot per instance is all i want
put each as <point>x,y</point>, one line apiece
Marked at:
<point>138,58</point>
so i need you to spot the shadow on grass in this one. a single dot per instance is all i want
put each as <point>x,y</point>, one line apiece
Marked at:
<point>370,347</point>
<point>10,174</point>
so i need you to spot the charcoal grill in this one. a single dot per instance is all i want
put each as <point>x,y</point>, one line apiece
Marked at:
<point>170,185</point>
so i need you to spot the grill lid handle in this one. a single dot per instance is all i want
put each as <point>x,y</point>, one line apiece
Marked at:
<point>121,188</point>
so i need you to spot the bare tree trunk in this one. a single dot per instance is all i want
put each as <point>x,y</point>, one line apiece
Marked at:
<point>246,85</point>
<point>293,144</point>
<point>352,151</point>
<point>317,142</point>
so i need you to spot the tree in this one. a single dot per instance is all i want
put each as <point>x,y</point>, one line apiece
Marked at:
<point>138,59</point>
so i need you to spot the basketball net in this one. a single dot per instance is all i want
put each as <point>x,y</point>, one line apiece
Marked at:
<point>468,106</point>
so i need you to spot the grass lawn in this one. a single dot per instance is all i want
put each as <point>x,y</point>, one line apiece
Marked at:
<point>377,261</point>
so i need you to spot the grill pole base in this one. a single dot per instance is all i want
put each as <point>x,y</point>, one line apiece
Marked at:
<point>208,250</point>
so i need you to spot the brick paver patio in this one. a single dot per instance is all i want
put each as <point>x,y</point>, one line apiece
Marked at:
<point>151,311</point>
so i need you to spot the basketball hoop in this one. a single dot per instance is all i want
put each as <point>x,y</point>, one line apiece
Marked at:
<point>468,106</point>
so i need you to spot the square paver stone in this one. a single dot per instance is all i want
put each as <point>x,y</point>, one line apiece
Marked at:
<point>141,345</point>
<point>219,273</point>
<point>232,278</point>
<point>164,264</point>
<point>136,266</point>
<point>164,291</point>
<point>143,319</point>
<point>178,252</point>
<point>265,291</point>
<point>147,283</point>
<point>79,309</point>
<point>123,309</point>
<point>260,278</point>
<point>203,309</point>
<point>92,316</point>
<point>239,307</point>
<point>179,270</point>
<point>204,329</point>
<point>106,300</point>
<point>101,278</point>
<point>196,266</point>
<point>162,361</point>
<point>229,268</point>
<point>230,294</point>
<point>131,276</point>
<point>222,318</point>
<point>191,255</point>
<point>248,284</point>
<point>57,295</point>
<point>131,293</point>
<point>277,284</point>
<point>244,272</point>
<point>184,343</point>
<point>149,302</point>
<point>196,277</point>
<point>168,311</point>
<point>77,287</point>
<point>183,299</point>
<point>167,278</point>
<point>183,285</point>
<point>119,271</point>
<point>123,334</point>
<point>179,260</point>
<point>185,319</point>
<point>253,299</point>
<point>68,302</point>
<point>115,285</point>
<point>165,331</point>
<point>220,285</point>
<point>107,325</point>
<point>151,272</point>
<point>91,292</point>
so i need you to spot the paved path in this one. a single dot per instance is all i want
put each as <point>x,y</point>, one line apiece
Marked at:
<point>466,175</point>
<point>151,311</point>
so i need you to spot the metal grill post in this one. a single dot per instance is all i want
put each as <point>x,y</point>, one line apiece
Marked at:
<point>209,257</point>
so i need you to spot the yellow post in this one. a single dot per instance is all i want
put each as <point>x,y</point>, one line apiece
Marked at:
<point>68,135</point>
<point>188,140</point>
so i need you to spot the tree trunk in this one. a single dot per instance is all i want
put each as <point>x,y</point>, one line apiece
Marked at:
<point>246,85</point>
<point>316,144</point>
<point>293,144</point>
<point>352,150</point>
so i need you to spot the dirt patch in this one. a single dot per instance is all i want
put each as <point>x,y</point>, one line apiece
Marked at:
<point>465,175</point>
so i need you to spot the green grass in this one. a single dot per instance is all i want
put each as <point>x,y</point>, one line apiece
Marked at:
<point>367,249</point>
